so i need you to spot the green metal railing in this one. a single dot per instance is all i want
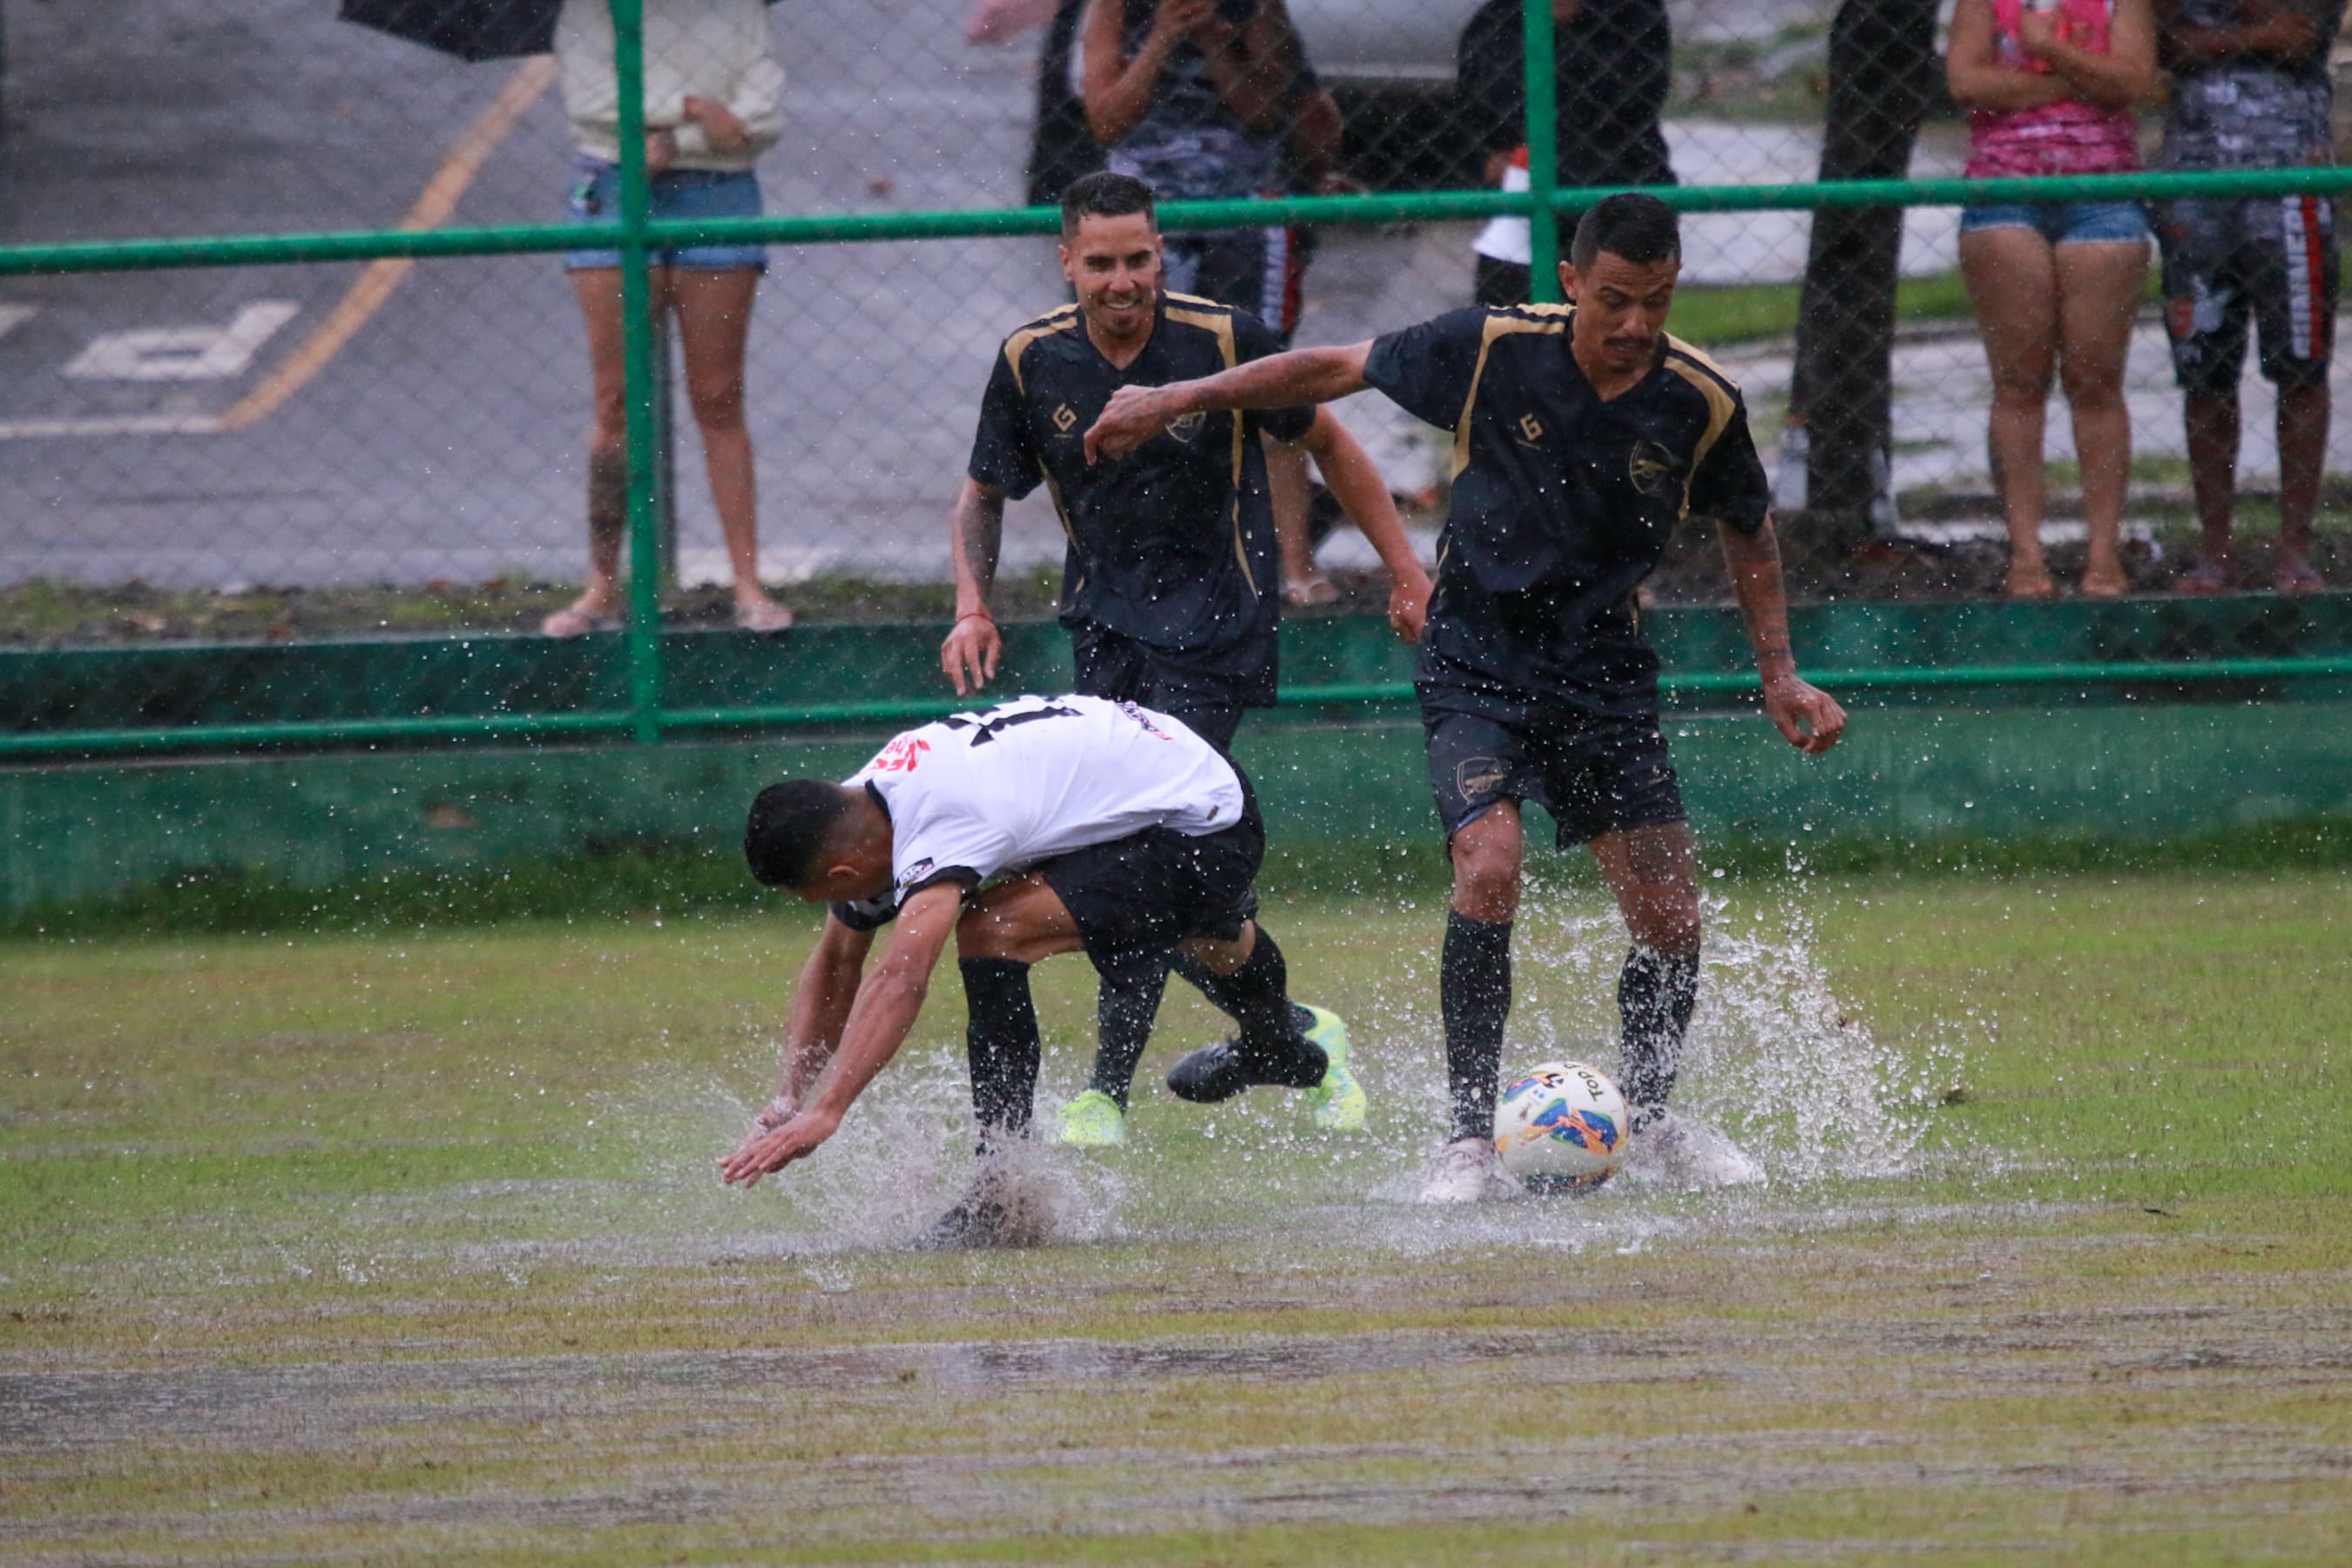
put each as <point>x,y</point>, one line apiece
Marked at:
<point>638,235</point>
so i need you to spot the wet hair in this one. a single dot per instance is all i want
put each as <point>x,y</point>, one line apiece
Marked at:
<point>1104,195</point>
<point>785,835</point>
<point>1641,228</point>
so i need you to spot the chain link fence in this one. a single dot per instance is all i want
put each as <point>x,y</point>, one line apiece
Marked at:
<point>406,443</point>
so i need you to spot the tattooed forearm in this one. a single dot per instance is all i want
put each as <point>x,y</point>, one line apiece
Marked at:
<point>978,525</point>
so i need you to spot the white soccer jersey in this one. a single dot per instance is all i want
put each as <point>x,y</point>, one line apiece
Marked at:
<point>983,793</point>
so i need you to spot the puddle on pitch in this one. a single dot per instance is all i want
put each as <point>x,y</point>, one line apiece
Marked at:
<point>1775,1059</point>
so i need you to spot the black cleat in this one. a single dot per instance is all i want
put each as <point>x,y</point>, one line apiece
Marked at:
<point>1222,1070</point>
<point>974,1222</point>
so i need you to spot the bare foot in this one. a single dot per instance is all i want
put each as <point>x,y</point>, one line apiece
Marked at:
<point>758,612</point>
<point>1308,591</point>
<point>2291,572</point>
<point>2106,582</point>
<point>2030,580</point>
<point>588,613</point>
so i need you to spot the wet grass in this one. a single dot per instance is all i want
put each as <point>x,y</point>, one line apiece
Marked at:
<point>403,1246</point>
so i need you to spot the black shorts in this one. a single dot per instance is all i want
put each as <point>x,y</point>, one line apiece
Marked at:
<point>1114,665</point>
<point>1595,774</point>
<point>1155,888</point>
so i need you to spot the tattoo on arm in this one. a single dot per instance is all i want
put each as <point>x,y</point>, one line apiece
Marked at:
<point>979,527</point>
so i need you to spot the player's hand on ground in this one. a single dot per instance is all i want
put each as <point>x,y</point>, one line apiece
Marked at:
<point>969,654</point>
<point>1409,607</point>
<point>725,128</point>
<point>1134,416</point>
<point>767,1151</point>
<point>1810,717</point>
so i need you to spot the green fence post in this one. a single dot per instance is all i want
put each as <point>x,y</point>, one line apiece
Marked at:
<point>637,375</point>
<point>1543,156</point>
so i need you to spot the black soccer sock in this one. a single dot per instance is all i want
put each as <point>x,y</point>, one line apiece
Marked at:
<point>1213,987</point>
<point>1132,983</point>
<point>1002,1044</point>
<point>1655,993</point>
<point>1273,1048</point>
<point>1473,992</point>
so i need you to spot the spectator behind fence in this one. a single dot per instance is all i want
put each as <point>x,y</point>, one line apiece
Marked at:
<point>714,101</point>
<point>2249,91</point>
<point>1611,68</point>
<point>1202,99</point>
<point>2055,284</point>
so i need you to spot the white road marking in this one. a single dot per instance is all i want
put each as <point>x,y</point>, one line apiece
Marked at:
<point>183,353</point>
<point>118,424</point>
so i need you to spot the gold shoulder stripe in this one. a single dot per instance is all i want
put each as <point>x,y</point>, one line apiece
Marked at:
<point>1499,324</point>
<point>1174,297</point>
<point>1044,326</point>
<point>1218,321</point>
<point>1721,406</point>
<point>1675,345</point>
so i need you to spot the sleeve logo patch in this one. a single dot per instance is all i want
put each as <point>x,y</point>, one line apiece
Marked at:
<point>916,872</point>
<point>900,755</point>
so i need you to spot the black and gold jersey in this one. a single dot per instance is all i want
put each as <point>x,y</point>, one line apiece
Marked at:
<point>1562,503</point>
<point>1172,545</point>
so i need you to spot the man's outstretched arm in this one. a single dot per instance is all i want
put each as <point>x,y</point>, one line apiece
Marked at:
<point>887,1007</point>
<point>1809,717</point>
<point>1137,414</point>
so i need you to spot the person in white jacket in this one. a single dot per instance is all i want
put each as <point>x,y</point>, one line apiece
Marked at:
<point>714,101</point>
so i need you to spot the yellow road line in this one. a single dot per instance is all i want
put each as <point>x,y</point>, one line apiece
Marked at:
<point>379,277</point>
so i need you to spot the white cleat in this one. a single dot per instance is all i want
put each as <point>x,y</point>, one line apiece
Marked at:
<point>1469,1172</point>
<point>1684,1152</point>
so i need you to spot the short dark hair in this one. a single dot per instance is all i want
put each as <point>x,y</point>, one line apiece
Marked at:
<point>1638,227</point>
<point>785,835</point>
<point>1104,195</point>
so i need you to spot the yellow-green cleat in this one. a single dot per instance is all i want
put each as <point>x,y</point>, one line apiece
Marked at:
<point>1338,1100</point>
<point>1093,1120</point>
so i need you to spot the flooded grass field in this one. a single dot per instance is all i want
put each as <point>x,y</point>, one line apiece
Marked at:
<point>408,1247</point>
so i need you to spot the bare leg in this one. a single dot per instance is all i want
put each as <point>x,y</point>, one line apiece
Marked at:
<point>2303,416</point>
<point>2211,422</point>
<point>714,320</point>
<point>598,290</point>
<point>2098,295</point>
<point>2012,282</point>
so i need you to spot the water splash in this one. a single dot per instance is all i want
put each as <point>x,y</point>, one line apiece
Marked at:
<point>1774,1057</point>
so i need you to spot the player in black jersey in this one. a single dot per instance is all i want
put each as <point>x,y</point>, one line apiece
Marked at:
<point>1581,438</point>
<point>1170,587</point>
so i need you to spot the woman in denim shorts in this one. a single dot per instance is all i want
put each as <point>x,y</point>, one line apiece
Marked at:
<point>714,95</point>
<point>2049,89</point>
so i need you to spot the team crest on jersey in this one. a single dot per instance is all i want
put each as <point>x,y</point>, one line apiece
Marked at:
<point>1185,426</point>
<point>1649,466</point>
<point>1065,416</point>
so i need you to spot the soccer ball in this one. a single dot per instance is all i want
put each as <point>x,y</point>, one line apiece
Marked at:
<point>1561,1125</point>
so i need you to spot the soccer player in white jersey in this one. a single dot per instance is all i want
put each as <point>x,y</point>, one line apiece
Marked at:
<point>1038,826</point>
